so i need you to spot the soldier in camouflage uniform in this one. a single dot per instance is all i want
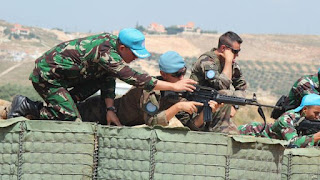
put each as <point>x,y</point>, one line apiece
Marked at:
<point>74,70</point>
<point>139,106</point>
<point>284,126</point>
<point>308,84</point>
<point>218,69</point>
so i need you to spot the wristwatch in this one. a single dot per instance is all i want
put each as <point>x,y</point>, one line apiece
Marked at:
<point>111,108</point>
<point>236,107</point>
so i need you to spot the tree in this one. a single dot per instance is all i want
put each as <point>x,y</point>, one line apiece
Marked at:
<point>174,30</point>
<point>140,28</point>
<point>7,31</point>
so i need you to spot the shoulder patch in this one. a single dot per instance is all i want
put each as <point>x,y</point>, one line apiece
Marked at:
<point>210,74</point>
<point>151,108</point>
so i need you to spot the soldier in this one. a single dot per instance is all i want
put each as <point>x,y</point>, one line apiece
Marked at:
<point>218,69</point>
<point>139,106</point>
<point>74,70</point>
<point>285,128</point>
<point>307,84</point>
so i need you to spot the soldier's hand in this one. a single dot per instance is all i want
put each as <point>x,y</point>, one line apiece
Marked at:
<point>233,112</point>
<point>112,118</point>
<point>316,137</point>
<point>214,105</point>
<point>227,55</point>
<point>184,85</point>
<point>189,106</point>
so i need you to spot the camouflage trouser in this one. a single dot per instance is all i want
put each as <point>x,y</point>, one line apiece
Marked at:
<point>222,121</point>
<point>60,102</point>
<point>254,129</point>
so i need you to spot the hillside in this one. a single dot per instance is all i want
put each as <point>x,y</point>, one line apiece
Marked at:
<point>270,62</point>
<point>292,48</point>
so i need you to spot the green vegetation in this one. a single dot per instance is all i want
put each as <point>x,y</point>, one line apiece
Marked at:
<point>209,31</point>
<point>173,30</point>
<point>140,28</point>
<point>274,77</point>
<point>8,91</point>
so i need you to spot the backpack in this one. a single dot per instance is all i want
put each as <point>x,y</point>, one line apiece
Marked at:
<point>284,103</point>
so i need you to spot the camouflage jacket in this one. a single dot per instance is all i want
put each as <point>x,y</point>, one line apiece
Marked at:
<point>282,129</point>
<point>81,60</point>
<point>139,106</point>
<point>209,62</point>
<point>308,84</point>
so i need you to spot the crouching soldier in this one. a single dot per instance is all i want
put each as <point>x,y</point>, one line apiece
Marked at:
<point>76,69</point>
<point>307,84</point>
<point>289,125</point>
<point>139,106</point>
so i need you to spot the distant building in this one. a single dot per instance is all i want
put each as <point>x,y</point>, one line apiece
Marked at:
<point>19,30</point>
<point>115,32</point>
<point>190,28</point>
<point>156,28</point>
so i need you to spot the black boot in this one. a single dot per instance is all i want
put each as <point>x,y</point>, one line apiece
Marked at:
<point>23,106</point>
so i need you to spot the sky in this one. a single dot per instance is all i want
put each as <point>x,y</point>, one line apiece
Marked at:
<point>240,16</point>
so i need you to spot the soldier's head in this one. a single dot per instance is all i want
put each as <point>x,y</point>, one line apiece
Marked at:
<point>310,107</point>
<point>130,45</point>
<point>230,40</point>
<point>172,66</point>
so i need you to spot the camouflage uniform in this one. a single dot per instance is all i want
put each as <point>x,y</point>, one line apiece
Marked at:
<point>232,87</point>
<point>283,129</point>
<point>209,61</point>
<point>308,84</point>
<point>85,65</point>
<point>132,109</point>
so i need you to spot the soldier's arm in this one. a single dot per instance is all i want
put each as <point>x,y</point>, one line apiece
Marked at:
<point>227,69</point>
<point>111,115</point>
<point>114,64</point>
<point>108,94</point>
<point>164,117</point>
<point>217,81</point>
<point>108,88</point>
<point>306,85</point>
<point>238,81</point>
<point>289,133</point>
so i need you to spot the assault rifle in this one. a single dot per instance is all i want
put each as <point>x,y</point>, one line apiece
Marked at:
<point>307,127</point>
<point>205,94</point>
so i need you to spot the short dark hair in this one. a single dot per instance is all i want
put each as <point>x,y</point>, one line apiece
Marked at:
<point>228,38</point>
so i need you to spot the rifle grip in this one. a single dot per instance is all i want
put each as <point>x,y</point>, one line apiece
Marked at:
<point>207,112</point>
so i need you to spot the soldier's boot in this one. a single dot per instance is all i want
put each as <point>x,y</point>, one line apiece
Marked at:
<point>23,106</point>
